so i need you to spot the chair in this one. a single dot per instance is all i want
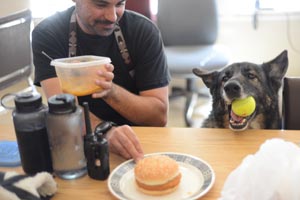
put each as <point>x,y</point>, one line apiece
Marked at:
<point>15,50</point>
<point>140,6</point>
<point>16,65</point>
<point>189,29</point>
<point>291,106</point>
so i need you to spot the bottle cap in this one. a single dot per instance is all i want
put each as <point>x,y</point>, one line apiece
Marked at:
<point>27,102</point>
<point>62,104</point>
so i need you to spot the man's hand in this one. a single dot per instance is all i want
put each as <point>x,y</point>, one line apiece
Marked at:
<point>105,81</point>
<point>123,141</point>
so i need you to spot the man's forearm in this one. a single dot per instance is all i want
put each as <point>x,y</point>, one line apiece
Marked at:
<point>150,108</point>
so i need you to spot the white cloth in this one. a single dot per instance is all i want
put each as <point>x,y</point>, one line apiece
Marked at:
<point>272,173</point>
<point>15,187</point>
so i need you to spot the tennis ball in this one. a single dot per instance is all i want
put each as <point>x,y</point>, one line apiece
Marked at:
<point>243,107</point>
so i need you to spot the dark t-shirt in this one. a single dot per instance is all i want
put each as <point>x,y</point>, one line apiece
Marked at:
<point>143,41</point>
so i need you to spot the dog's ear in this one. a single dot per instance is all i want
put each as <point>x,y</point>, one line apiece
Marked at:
<point>206,76</point>
<point>277,67</point>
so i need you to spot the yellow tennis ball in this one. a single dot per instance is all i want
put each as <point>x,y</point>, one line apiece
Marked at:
<point>243,107</point>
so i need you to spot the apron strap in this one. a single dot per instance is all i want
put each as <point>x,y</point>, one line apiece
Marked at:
<point>73,36</point>
<point>122,45</point>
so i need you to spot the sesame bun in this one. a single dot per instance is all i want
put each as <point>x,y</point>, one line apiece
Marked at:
<point>157,175</point>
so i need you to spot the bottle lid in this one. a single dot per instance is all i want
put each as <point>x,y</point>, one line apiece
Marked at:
<point>62,104</point>
<point>9,154</point>
<point>27,102</point>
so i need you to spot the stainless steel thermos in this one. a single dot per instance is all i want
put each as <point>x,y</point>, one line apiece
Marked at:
<point>29,117</point>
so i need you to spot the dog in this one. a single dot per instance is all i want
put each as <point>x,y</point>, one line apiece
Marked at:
<point>240,80</point>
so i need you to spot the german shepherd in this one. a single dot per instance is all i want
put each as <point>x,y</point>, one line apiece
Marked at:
<point>240,80</point>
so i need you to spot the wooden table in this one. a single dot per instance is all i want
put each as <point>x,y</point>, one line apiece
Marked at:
<point>221,148</point>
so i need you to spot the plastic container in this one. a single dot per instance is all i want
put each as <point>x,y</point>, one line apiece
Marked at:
<point>77,75</point>
<point>65,131</point>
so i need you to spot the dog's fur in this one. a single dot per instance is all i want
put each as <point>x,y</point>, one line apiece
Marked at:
<point>239,80</point>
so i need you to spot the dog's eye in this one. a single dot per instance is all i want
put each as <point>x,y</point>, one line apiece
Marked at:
<point>251,76</point>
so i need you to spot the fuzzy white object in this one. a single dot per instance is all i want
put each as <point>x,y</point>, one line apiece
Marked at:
<point>272,173</point>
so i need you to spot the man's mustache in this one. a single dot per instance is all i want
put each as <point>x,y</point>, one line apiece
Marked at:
<point>104,22</point>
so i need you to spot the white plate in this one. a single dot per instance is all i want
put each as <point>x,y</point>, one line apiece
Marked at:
<point>197,179</point>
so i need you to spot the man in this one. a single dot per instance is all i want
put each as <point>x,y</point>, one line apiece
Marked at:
<point>135,86</point>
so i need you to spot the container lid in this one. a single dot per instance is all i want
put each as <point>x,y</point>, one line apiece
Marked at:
<point>62,104</point>
<point>9,154</point>
<point>27,102</point>
<point>80,61</point>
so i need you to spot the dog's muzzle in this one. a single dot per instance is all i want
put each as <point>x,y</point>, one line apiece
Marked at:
<point>233,90</point>
<point>238,123</point>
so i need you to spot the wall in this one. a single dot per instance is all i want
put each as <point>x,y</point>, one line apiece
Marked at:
<point>11,6</point>
<point>275,32</point>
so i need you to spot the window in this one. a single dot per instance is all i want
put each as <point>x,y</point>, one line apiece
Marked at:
<point>226,7</point>
<point>246,7</point>
<point>280,5</point>
<point>44,8</point>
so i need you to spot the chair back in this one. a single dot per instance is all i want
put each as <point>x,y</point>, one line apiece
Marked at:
<point>291,105</point>
<point>140,6</point>
<point>187,22</point>
<point>15,48</point>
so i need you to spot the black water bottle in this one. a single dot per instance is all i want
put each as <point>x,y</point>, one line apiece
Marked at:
<point>29,118</point>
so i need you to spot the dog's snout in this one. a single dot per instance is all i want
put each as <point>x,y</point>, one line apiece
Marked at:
<point>232,89</point>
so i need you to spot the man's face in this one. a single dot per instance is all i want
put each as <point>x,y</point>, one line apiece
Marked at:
<point>99,17</point>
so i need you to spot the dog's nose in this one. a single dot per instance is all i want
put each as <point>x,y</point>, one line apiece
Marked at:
<point>232,90</point>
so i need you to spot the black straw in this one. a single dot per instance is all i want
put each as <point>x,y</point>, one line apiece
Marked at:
<point>87,118</point>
